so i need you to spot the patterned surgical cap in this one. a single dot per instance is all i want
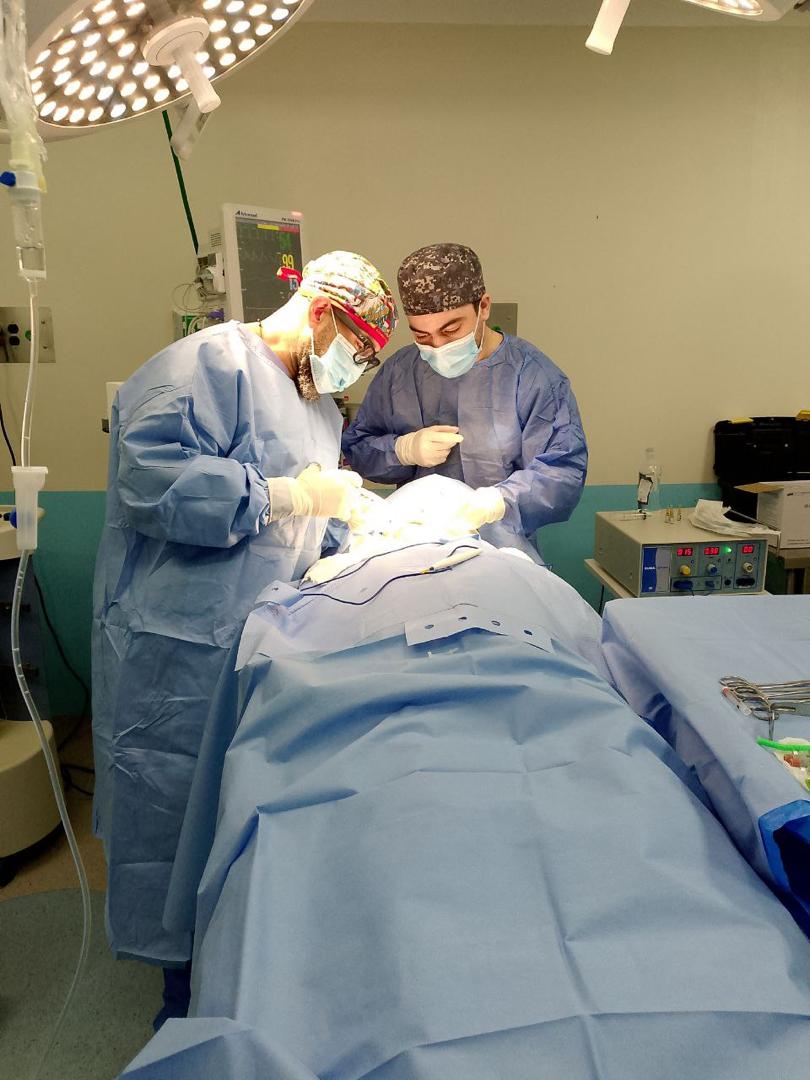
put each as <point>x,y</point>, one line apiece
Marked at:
<point>440,277</point>
<point>356,287</point>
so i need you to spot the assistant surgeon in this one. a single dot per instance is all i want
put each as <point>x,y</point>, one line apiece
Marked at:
<point>470,402</point>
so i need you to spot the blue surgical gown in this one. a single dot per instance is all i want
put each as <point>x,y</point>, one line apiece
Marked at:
<point>183,555</point>
<point>521,428</point>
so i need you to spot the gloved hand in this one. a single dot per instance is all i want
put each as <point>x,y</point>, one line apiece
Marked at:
<point>316,492</point>
<point>484,506</point>
<point>427,447</point>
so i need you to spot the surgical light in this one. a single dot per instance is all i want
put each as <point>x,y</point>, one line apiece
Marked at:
<point>737,7</point>
<point>165,45</point>
<point>612,12</point>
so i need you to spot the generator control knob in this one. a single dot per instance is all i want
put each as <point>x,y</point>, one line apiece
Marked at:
<point>711,568</point>
<point>686,571</point>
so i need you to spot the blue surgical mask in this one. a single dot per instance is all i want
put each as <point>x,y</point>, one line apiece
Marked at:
<point>336,369</point>
<point>456,357</point>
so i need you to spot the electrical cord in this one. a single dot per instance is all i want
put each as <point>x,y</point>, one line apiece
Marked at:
<point>71,734</point>
<point>71,783</point>
<point>183,193</point>
<point>4,345</point>
<point>400,577</point>
<point>79,768</point>
<point>793,748</point>
<point>183,305</point>
<point>306,589</point>
<point>83,710</point>
<point>6,438</point>
<point>59,647</point>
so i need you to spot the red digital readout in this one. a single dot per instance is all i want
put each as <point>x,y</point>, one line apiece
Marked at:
<point>684,552</point>
<point>711,551</point>
<point>747,549</point>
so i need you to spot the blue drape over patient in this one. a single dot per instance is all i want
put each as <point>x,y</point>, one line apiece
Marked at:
<point>447,852</point>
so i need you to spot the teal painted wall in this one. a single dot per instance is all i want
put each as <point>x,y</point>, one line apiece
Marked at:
<point>64,561</point>
<point>69,536</point>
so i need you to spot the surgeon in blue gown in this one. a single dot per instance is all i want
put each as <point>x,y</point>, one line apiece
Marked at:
<point>222,478</point>
<point>471,403</point>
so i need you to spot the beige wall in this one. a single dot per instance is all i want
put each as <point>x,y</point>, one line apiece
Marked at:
<point>648,212</point>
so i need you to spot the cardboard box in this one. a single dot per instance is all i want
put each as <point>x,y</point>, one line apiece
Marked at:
<point>784,506</point>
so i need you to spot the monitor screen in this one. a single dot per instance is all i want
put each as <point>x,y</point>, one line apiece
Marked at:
<point>258,243</point>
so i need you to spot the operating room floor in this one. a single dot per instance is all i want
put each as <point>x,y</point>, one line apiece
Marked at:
<point>40,930</point>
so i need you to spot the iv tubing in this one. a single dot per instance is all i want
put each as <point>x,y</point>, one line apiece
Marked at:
<point>27,155</point>
<point>28,408</point>
<point>53,768</point>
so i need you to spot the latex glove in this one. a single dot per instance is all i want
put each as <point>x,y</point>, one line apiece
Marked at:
<point>427,447</point>
<point>484,506</point>
<point>316,492</point>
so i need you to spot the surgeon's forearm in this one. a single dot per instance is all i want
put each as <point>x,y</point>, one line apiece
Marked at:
<point>208,501</point>
<point>375,458</point>
<point>542,496</point>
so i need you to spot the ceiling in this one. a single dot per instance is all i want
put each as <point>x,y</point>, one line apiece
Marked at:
<point>529,13</point>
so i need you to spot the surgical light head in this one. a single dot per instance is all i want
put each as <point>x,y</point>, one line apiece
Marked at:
<point>109,60</point>
<point>612,12</point>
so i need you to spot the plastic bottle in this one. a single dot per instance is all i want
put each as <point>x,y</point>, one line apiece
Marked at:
<point>649,482</point>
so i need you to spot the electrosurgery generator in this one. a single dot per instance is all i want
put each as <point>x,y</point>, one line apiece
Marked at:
<point>651,555</point>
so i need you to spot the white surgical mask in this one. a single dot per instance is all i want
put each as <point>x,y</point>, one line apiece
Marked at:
<point>456,357</point>
<point>336,369</point>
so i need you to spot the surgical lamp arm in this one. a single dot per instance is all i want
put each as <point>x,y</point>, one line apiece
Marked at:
<point>607,25</point>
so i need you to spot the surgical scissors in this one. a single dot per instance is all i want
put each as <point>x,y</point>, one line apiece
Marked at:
<point>765,701</point>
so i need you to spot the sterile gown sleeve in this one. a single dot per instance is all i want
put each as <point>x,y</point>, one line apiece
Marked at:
<point>368,442</point>
<point>554,454</point>
<point>337,532</point>
<point>188,456</point>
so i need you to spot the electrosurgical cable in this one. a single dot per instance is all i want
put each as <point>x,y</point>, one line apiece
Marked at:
<point>362,565</point>
<point>437,568</point>
<point>791,748</point>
